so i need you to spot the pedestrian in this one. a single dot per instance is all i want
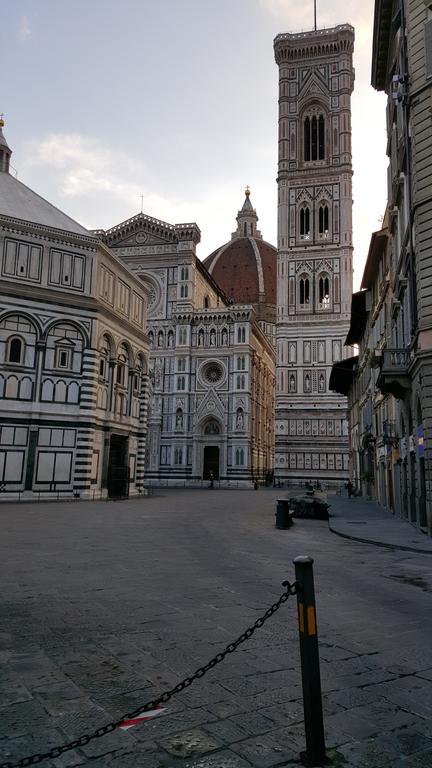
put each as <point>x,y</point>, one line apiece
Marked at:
<point>256,484</point>
<point>211,480</point>
<point>350,488</point>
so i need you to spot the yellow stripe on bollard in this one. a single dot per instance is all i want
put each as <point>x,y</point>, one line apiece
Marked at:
<point>311,623</point>
<point>301,617</point>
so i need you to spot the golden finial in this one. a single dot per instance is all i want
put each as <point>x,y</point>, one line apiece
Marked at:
<point>247,191</point>
<point>1,120</point>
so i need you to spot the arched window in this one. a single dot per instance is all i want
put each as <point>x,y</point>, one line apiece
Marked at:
<point>184,291</point>
<point>241,335</point>
<point>321,137</point>
<point>241,381</point>
<point>206,302</point>
<point>178,456</point>
<point>241,363</point>
<point>304,290</point>
<point>15,351</point>
<point>324,292</point>
<point>304,221</point>
<point>307,132</point>
<point>181,383</point>
<point>245,229</point>
<point>239,457</point>
<point>314,138</point>
<point>323,219</point>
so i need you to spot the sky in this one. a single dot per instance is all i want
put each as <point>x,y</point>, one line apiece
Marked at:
<point>171,105</point>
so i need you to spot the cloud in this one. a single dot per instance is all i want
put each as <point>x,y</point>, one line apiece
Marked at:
<point>24,29</point>
<point>102,185</point>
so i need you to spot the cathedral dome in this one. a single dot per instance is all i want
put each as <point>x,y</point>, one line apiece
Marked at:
<point>245,267</point>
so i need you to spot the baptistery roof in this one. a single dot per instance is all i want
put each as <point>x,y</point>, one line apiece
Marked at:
<point>245,267</point>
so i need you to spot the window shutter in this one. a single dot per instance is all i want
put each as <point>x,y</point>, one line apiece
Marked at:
<point>428,48</point>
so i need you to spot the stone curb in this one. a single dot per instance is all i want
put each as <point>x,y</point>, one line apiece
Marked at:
<point>379,543</point>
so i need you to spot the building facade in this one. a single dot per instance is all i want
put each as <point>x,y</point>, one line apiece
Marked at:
<point>376,465</point>
<point>314,263</point>
<point>211,364</point>
<point>402,68</point>
<point>73,355</point>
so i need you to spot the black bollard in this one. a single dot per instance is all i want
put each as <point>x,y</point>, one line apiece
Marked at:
<point>315,753</point>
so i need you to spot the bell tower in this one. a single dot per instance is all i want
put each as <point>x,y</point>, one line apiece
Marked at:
<point>314,270</point>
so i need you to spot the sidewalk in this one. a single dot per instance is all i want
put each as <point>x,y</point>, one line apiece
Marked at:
<point>367,521</point>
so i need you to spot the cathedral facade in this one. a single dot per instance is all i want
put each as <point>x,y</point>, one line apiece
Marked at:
<point>212,370</point>
<point>314,263</point>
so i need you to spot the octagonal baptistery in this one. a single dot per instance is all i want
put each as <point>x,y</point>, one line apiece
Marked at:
<point>245,268</point>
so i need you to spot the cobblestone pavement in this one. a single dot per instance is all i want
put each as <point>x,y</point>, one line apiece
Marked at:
<point>105,605</point>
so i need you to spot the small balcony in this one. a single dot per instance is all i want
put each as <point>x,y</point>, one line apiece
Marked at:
<point>394,376</point>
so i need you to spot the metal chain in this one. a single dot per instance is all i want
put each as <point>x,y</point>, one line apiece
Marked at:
<point>291,589</point>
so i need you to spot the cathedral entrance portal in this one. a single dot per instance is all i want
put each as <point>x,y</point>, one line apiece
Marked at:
<point>211,462</point>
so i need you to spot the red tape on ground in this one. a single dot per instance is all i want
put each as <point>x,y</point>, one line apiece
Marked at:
<point>126,724</point>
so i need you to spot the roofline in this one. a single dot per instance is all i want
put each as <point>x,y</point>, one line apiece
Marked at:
<point>380,43</point>
<point>89,239</point>
<point>204,271</point>
<point>175,232</point>
<point>377,245</point>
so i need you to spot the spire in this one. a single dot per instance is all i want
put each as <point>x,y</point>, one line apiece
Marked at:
<point>5,151</point>
<point>247,220</point>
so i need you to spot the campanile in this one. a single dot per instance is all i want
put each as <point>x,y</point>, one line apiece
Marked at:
<point>314,269</point>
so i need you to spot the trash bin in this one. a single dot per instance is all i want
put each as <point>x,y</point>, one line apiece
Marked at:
<point>283,516</point>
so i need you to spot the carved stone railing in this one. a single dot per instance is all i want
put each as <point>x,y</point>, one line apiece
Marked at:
<point>396,361</point>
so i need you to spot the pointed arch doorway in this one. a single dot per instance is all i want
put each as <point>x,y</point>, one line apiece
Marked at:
<point>211,462</point>
<point>211,450</point>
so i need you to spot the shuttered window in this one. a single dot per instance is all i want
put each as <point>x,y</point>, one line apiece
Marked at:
<point>428,48</point>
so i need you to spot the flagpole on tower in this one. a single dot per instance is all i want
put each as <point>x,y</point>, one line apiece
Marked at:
<point>315,15</point>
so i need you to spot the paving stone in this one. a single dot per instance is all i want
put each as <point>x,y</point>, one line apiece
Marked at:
<point>253,722</point>
<point>266,750</point>
<point>226,731</point>
<point>371,753</point>
<point>190,743</point>
<point>12,692</point>
<point>223,759</point>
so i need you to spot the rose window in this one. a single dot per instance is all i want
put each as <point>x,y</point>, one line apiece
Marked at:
<point>213,373</point>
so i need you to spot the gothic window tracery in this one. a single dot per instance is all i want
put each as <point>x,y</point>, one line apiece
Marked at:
<point>323,219</point>
<point>314,137</point>
<point>241,335</point>
<point>324,292</point>
<point>304,221</point>
<point>304,290</point>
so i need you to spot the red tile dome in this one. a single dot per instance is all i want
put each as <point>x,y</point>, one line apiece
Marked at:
<point>245,267</point>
